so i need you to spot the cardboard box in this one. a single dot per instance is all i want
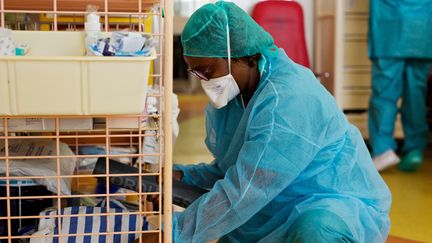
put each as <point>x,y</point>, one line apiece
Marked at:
<point>47,124</point>
<point>126,122</point>
<point>121,122</point>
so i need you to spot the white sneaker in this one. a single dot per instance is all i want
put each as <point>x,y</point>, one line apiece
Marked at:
<point>386,160</point>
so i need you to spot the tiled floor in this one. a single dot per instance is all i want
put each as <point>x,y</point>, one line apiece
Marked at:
<point>411,213</point>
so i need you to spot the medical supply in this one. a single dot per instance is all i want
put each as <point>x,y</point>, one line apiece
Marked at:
<point>128,42</point>
<point>223,89</point>
<point>39,167</point>
<point>21,50</point>
<point>151,142</point>
<point>89,163</point>
<point>124,44</point>
<point>7,46</point>
<point>249,37</point>
<point>92,28</point>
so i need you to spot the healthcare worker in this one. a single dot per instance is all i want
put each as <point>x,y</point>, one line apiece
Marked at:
<point>288,165</point>
<point>400,47</point>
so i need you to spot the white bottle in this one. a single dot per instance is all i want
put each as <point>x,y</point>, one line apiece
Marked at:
<point>92,31</point>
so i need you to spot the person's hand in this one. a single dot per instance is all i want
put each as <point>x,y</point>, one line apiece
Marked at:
<point>177,175</point>
<point>148,238</point>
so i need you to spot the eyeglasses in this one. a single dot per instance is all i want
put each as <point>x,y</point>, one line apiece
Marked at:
<point>199,74</point>
<point>202,75</point>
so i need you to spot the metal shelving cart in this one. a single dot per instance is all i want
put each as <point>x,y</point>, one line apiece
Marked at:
<point>42,162</point>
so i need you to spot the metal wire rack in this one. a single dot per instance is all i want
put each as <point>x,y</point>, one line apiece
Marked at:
<point>72,209</point>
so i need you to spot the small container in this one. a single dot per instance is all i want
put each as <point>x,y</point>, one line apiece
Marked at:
<point>61,80</point>
<point>92,31</point>
<point>21,50</point>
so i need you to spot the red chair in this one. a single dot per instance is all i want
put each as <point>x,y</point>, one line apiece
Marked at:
<point>285,22</point>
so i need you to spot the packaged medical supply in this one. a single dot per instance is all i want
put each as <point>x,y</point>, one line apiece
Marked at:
<point>7,46</point>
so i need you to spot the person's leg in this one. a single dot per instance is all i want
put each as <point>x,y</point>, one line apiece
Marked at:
<point>319,225</point>
<point>414,114</point>
<point>387,86</point>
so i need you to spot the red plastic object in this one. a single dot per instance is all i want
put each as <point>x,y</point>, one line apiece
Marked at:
<point>285,22</point>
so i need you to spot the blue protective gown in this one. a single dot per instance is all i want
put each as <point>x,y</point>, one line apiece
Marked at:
<point>400,48</point>
<point>290,152</point>
<point>400,29</point>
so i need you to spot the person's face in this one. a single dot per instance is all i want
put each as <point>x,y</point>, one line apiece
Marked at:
<point>207,68</point>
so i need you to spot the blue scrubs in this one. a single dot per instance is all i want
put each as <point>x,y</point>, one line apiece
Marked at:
<point>287,167</point>
<point>400,47</point>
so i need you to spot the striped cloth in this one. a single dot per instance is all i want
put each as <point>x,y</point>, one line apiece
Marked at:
<point>89,224</point>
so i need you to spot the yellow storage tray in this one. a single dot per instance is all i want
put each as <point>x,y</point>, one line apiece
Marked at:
<point>55,78</point>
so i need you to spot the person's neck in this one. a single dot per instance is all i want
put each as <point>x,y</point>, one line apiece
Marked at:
<point>252,84</point>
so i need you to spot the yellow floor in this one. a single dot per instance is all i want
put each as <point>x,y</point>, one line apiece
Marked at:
<point>411,213</point>
<point>190,147</point>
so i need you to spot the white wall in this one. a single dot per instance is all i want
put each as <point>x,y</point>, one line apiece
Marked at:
<point>308,8</point>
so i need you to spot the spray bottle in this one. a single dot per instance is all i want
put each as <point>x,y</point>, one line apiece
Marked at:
<point>92,29</point>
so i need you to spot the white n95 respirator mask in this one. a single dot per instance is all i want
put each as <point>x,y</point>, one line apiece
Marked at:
<point>223,89</point>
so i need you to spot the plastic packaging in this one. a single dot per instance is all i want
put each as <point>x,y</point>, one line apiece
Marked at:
<point>39,167</point>
<point>7,46</point>
<point>89,163</point>
<point>123,43</point>
<point>151,141</point>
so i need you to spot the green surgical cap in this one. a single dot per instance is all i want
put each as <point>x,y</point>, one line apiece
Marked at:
<point>205,34</point>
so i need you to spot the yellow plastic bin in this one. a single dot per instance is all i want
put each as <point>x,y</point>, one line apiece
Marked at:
<point>55,78</point>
